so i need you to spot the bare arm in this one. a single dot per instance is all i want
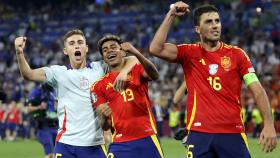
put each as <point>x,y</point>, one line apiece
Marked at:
<point>268,138</point>
<point>158,47</point>
<point>150,69</point>
<point>104,113</point>
<point>25,70</point>
<point>180,93</point>
<point>119,83</point>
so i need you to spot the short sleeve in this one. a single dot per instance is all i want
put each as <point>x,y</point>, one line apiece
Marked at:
<point>137,73</point>
<point>183,53</point>
<point>244,64</point>
<point>51,74</point>
<point>96,95</point>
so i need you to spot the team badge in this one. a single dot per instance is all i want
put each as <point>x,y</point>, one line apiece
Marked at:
<point>213,69</point>
<point>84,83</point>
<point>225,63</point>
<point>93,97</point>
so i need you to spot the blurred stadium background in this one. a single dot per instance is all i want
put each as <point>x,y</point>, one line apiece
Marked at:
<point>253,25</point>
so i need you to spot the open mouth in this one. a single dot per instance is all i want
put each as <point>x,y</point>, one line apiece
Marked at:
<point>111,56</point>
<point>78,53</point>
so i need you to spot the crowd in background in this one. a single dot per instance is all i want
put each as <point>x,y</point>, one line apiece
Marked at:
<point>253,25</point>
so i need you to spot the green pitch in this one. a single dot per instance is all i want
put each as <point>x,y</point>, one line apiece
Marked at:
<point>171,148</point>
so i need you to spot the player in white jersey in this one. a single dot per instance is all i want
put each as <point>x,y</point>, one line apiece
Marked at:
<point>79,134</point>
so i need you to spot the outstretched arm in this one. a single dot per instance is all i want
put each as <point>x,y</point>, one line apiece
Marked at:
<point>158,47</point>
<point>268,138</point>
<point>25,70</point>
<point>150,69</point>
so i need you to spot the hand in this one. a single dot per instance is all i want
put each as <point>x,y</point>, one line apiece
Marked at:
<point>128,47</point>
<point>179,8</point>
<point>20,44</point>
<point>268,138</point>
<point>120,81</point>
<point>104,110</point>
<point>43,106</point>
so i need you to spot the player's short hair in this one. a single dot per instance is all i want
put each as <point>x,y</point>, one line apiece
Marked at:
<point>201,10</point>
<point>73,32</point>
<point>108,38</point>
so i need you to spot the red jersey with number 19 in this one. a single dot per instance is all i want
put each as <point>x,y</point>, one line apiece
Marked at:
<point>131,116</point>
<point>214,81</point>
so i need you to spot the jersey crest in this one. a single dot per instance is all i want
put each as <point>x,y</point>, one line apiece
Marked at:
<point>84,83</point>
<point>225,63</point>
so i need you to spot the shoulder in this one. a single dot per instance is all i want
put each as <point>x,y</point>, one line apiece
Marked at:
<point>97,64</point>
<point>98,84</point>
<point>189,46</point>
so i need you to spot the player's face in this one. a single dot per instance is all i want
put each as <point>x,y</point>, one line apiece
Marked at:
<point>76,49</point>
<point>112,53</point>
<point>209,27</point>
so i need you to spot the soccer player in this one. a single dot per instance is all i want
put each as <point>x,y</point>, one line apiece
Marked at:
<point>131,116</point>
<point>79,134</point>
<point>41,106</point>
<point>213,72</point>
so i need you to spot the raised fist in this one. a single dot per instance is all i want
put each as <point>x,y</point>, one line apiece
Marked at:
<point>20,44</point>
<point>179,8</point>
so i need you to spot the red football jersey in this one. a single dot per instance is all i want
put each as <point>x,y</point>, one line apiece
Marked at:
<point>131,109</point>
<point>13,116</point>
<point>214,81</point>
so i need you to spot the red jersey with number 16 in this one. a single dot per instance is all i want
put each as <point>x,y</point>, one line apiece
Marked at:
<point>131,116</point>
<point>214,81</point>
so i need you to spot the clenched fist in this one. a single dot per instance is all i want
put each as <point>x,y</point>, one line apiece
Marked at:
<point>179,8</point>
<point>20,44</point>
<point>128,47</point>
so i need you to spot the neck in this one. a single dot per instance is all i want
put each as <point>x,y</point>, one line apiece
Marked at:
<point>210,46</point>
<point>78,66</point>
<point>119,67</point>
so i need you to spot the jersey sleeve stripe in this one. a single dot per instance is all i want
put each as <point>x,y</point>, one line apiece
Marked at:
<point>193,112</point>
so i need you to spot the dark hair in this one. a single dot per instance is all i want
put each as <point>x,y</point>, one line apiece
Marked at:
<point>73,32</point>
<point>201,10</point>
<point>108,38</point>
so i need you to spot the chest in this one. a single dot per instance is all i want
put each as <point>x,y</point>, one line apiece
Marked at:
<point>215,64</point>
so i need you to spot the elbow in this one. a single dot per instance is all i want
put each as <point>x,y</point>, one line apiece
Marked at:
<point>153,50</point>
<point>155,75</point>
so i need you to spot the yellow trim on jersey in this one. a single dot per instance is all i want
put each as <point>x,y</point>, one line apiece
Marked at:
<point>156,142</point>
<point>193,112</point>
<point>151,120</point>
<point>93,85</point>
<point>250,78</point>
<point>115,131</point>
<point>243,135</point>
<point>241,115</point>
<point>104,149</point>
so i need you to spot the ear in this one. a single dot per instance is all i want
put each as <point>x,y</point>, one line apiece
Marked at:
<point>197,29</point>
<point>86,49</point>
<point>64,51</point>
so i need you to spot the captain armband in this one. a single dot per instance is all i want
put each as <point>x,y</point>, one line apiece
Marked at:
<point>250,78</point>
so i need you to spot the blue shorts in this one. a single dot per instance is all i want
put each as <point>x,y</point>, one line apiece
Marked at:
<point>208,145</point>
<point>12,127</point>
<point>46,137</point>
<point>70,151</point>
<point>148,147</point>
